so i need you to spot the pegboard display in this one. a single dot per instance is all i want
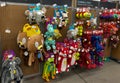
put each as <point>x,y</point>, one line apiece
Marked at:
<point>13,19</point>
<point>10,29</point>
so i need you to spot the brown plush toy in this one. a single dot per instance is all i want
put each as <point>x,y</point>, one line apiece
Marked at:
<point>22,43</point>
<point>22,40</point>
<point>34,45</point>
<point>29,46</point>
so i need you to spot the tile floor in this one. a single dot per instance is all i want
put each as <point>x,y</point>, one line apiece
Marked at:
<point>109,73</point>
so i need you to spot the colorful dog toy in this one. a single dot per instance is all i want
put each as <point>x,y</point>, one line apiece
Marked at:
<point>11,72</point>
<point>49,41</point>
<point>49,68</point>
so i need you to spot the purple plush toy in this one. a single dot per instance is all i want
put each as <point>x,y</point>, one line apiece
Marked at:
<point>8,54</point>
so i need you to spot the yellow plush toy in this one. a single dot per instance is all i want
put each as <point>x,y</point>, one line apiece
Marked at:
<point>57,33</point>
<point>31,29</point>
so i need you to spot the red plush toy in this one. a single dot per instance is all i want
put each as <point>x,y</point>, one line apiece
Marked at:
<point>62,60</point>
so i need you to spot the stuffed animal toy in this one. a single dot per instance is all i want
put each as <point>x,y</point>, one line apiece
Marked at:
<point>35,14</point>
<point>34,45</point>
<point>72,59</point>
<point>49,68</point>
<point>72,32</point>
<point>62,65</point>
<point>85,60</point>
<point>96,43</point>
<point>31,42</point>
<point>114,40</point>
<point>11,72</point>
<point>61,15</point>
<point>49,41</point>
<point>57,33</point>
<point>83,13</point>
<point>22,40</point>
<point>31,29</point>
<point>40,14</point>
<point>79,26</point>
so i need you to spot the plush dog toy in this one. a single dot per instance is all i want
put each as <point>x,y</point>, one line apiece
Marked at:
<point>35,14</point>
<point>31,42</point>
<point>49,41</point>
<point>72,32</point>
<point>79,27</point>
<point>11,71</point>
<point>49,68</point>
<point>61,15</point>
<point>31,29</point>
<point>96,43</point>
<point>83,13</point>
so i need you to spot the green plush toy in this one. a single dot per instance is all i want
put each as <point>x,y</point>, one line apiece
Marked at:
<point>49,69</point>
<point>80,30</point>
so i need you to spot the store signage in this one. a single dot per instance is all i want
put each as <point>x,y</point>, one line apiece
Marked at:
<point>45,2</point>
<point>87,3</point>
<point>58,2</point>
<point>22,1</point>
<point>99,4</point>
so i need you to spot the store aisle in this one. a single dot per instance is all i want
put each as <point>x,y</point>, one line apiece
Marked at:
<point>109,73</point>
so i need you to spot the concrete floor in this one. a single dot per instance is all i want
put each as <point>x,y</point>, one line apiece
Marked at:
<point>109,73</point>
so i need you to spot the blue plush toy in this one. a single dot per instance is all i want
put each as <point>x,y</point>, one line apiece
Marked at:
<point>49,41</point>
<point>96,42</point>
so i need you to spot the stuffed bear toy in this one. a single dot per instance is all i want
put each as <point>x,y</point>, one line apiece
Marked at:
<point>22,39</point>
<point>34,45</point>
<point>22,44</point>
